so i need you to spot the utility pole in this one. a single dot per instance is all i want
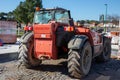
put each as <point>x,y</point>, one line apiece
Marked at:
<point>106,16</point>
<point>119,23</point>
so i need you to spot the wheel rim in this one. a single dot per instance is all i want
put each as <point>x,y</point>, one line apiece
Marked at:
<point>86,60</point>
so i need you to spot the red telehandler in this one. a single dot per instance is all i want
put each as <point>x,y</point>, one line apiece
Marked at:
<point>54,35</point>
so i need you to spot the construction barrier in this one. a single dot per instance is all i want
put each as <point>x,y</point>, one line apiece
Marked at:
<point>8,31</point>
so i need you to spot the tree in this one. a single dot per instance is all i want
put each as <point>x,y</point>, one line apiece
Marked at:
<point>7,16</point>
<point>25,10</point>
<point>10,16</point>
<point>114,19</point>
<point>82,22</point>
<point>3,16</point>
<point>88,21</point>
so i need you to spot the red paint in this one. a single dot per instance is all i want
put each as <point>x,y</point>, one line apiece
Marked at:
<point>45,41</point>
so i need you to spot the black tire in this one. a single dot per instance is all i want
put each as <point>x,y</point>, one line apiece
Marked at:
<point>79,61</point>
<point>23,36</point>
<point>26,50</point>
<point>106,53</point>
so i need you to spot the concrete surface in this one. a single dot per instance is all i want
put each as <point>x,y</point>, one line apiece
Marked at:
<point>9,52</point>
<point>9,48</point>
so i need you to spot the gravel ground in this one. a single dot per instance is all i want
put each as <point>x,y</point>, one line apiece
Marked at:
<point>57,70</point>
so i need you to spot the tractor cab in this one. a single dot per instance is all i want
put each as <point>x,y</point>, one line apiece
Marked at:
<point>60,15</point>
<point>53,28</point>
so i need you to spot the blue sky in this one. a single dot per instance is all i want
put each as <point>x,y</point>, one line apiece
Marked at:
<point>80,9</point>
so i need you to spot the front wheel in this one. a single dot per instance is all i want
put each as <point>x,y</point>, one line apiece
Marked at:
<point>106,53</point>
<point>79,61</point>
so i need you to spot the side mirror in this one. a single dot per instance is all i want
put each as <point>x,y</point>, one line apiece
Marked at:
<point>71,22</point>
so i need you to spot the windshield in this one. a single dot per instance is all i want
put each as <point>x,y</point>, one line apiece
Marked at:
<point>62,16</point>
<point>42,17</point>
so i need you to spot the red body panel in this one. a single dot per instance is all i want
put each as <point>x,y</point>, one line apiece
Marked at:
<point>43,48</point>
<point>85,31</point>
<point>42,28</point>
<point>93,36</point>
<point>45,40</point>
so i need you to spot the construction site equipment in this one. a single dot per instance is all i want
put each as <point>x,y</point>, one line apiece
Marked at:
<point>54,36</point>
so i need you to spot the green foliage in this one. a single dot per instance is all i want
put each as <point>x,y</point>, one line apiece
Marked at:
<point>88,21</point>
<point>7,16</point>
<point>10,16</point>
<point>25,11</point>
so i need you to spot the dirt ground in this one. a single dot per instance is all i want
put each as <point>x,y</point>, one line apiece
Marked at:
<point>57,70</point>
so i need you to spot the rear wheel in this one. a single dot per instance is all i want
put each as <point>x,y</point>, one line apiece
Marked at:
<point>106,53</point>
<point>26,52</point>
<point>79,62</point>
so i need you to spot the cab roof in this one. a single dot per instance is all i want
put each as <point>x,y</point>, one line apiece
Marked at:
<point>57,8</point>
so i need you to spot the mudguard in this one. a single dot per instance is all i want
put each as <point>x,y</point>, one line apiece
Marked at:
<point>77,42</point>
